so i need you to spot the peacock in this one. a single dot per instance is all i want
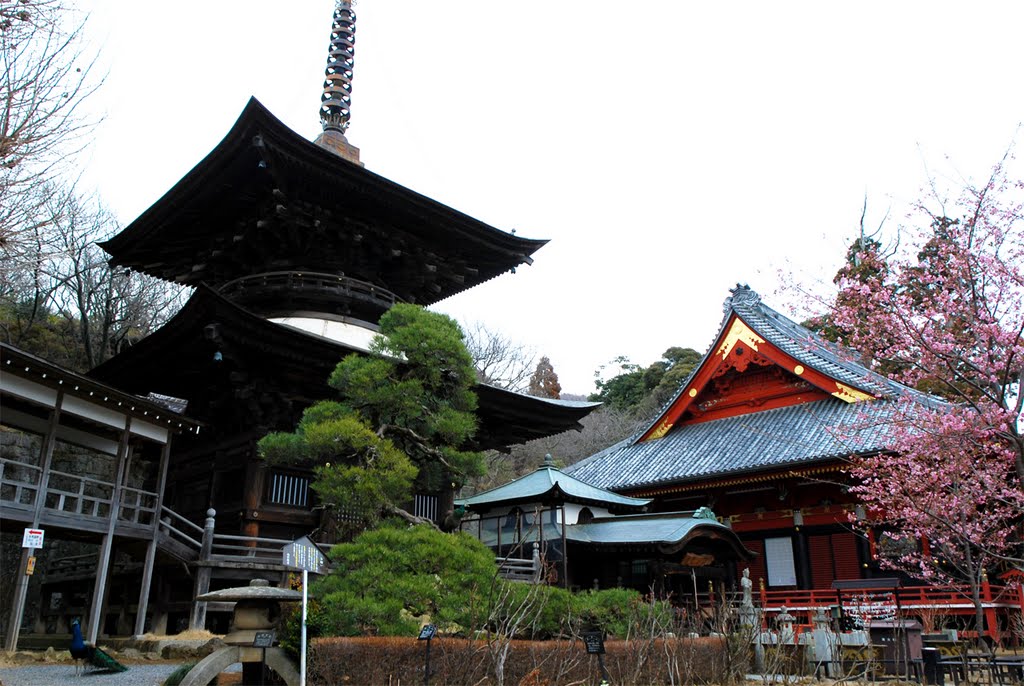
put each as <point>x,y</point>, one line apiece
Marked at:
<point>87,654</point>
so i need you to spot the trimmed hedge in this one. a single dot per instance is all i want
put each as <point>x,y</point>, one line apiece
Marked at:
<point>453,661</point>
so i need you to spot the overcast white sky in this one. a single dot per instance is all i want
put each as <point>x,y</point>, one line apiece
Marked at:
<point>667,149</point>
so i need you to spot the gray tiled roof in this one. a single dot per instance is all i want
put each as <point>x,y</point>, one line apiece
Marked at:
<point>807,347</point>
<point>768,439</point>
<point>662,528</point>
<point>544,481</point>
<point>794,435</point>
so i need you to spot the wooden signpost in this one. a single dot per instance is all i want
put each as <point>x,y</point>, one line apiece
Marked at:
<point>305,555</point>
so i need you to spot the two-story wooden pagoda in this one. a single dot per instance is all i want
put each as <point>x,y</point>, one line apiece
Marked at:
<point>295,251</point>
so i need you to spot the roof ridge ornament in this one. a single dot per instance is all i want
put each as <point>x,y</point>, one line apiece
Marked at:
<point>741,295</point>
<point>336,99</point>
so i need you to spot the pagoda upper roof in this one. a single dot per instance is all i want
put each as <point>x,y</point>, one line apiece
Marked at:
<point>814,402</point>
<point>265,199</point>
<point>211,338</point>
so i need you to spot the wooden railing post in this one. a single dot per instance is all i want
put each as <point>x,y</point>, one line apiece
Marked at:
<point>991,621</point>
<point>536,563</point>
<point>764,603</point>
<point>99,592</point>
<point>197,622</point>
<point>39,502</point>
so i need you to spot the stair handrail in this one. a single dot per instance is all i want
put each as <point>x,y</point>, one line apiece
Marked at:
<point>167,515</point>
<point>268,551</point>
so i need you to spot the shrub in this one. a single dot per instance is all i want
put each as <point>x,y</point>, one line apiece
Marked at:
<point>621,612</point>
<point>389,579</point>
<point>380,660</point>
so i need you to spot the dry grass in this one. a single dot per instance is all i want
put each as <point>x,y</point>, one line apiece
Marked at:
<point>187,635</point>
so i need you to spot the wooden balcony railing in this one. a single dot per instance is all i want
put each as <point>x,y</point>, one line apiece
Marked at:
<point>907,597</point>
<point>85,498</point>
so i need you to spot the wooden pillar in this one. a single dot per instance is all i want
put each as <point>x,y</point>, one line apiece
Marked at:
<point>803,559</point>
<point>21,583</point>
<point>565,553</point>
<point>252,497</point>
<point>99,590</point>
<point>147,569</point>
<point>197,620</point>
<point>159,623</point>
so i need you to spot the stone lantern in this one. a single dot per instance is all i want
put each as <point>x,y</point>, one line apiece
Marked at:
<point>257,608</point>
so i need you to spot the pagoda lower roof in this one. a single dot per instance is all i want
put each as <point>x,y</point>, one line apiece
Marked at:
<point>182,357</point>
<point>265,199</point>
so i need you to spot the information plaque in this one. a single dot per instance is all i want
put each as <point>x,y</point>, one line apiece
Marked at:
<point>263,639</point>
<point>594,641</point>
<point>305,555</point>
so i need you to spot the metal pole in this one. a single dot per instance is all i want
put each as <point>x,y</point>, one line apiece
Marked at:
<point>605,678</point>
<point>426,669</point>
<point>302,651</point>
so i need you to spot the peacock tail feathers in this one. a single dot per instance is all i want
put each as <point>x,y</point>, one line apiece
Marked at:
<point>80,650</point>
<point>103,661</point>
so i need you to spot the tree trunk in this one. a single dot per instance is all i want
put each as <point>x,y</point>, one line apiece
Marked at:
<point>974,577</point>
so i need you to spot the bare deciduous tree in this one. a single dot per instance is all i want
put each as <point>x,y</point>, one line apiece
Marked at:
<point>601,428</point>
<point>46,77</point>
<point>62,300</point>
<point>499,361</point>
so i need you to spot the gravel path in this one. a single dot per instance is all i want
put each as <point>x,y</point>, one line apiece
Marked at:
<point>64,675</point>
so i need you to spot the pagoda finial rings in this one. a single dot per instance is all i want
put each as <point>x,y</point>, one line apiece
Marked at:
<point>336,101</point>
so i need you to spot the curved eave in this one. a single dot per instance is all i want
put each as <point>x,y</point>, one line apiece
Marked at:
<point>518,415</point>
<point>711,532</point>
<point>753,474</point>
<point>552,496</point>
<point>171,219</point>
<point>175,359</point>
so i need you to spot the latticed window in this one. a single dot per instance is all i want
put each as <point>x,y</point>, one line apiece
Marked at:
<point>425,506</point>
<point>288,489</point>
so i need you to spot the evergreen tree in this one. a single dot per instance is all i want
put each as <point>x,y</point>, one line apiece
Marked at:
<point>402,419</point>
<point>642,390</point>
<point>544,382</point>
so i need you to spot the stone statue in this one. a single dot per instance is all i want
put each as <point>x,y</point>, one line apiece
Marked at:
<point>747,585</point>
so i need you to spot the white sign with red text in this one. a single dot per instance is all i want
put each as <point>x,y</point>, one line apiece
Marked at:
<point>33,538</point>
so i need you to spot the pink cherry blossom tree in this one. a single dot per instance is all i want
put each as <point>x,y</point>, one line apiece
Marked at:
<point>945,315</point>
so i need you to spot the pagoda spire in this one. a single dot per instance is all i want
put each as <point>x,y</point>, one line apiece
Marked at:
<point>336,100</point>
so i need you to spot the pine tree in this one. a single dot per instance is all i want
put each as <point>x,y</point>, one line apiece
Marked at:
<point>402,419</point>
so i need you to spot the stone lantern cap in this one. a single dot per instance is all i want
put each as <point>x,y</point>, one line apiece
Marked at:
<point>258,589</point>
